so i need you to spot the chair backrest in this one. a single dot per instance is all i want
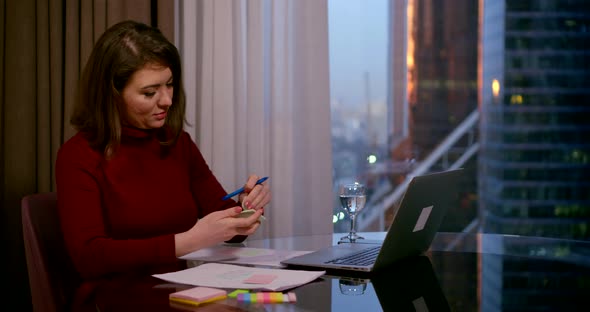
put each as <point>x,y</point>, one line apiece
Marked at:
<point>52,277</point>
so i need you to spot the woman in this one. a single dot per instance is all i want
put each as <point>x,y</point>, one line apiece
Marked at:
<point>134,192</point>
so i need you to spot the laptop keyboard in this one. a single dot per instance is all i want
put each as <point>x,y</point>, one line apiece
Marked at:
<point>363,257</point>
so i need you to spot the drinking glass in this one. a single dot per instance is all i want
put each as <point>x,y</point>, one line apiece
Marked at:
<point>352,198</point>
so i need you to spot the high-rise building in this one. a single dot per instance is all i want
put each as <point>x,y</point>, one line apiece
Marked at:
<point>534,158</point>
<point>534,161</point>
<point>443,74</point>
<point>442,89</point>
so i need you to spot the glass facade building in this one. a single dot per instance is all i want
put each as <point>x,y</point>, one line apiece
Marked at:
<point>534,158</point>
<point>534,162</point>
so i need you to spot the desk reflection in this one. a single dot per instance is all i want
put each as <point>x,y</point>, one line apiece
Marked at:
<point>352,287</point>
<point>411,285</point>
<point>482,272</point>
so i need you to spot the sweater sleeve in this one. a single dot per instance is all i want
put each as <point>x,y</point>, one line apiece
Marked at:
<point>206,189</point>
<point>93,252</point>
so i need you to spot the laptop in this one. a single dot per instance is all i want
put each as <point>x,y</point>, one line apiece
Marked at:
<point>416,222</point>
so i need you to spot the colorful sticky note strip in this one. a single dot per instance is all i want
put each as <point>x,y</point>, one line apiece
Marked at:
<point>267,297</point>
<point>243,297</point>
<point>276,297</point>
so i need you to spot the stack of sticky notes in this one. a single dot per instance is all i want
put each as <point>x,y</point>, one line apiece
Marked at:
<point>197,295</point>
<point>263,297</point>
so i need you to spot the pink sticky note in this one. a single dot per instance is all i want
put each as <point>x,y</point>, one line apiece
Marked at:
<point>260,279</point>
<point>199,294</point>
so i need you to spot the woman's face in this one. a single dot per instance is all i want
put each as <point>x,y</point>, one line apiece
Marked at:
<point>147,97</point>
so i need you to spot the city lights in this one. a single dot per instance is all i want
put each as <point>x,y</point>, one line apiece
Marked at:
<point>495,88</point>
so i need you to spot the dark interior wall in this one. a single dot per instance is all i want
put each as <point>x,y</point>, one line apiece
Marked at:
<point>43,45</point>
<point>18,138</point>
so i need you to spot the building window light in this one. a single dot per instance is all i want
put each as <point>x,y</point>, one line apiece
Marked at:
<point>516,99</point>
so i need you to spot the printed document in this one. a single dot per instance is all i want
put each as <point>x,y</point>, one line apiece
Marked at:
<point>243,255</point>
<point>220,275</point>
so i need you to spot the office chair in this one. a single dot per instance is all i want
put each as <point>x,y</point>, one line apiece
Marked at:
<point>52,277</point>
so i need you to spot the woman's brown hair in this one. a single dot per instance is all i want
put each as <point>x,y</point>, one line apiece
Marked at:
<point>123,49</point>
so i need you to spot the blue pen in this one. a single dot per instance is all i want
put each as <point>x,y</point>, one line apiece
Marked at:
<point>241,190</point>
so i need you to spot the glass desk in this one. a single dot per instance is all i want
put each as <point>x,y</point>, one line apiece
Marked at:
<point>461,272</point>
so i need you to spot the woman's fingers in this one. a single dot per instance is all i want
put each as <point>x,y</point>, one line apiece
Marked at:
<point>259,197</point>
<point>251,183</point>
<point>248,230</point>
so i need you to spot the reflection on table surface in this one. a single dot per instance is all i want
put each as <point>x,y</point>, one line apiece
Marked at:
<point>461,272</point>
<point>508,245</point>
<point>482,271</point>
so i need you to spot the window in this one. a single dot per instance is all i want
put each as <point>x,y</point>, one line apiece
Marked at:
<point>536,158</point>
<point>359,90</point>
<point>400,84</point>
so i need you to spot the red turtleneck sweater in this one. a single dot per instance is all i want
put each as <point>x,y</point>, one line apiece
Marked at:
<point>119,216</point>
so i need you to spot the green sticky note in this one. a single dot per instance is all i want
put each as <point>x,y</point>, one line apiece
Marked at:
<point>235,293</point>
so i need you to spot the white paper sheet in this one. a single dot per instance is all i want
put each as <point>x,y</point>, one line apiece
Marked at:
<point>221,275</point>
<point>243,255</point>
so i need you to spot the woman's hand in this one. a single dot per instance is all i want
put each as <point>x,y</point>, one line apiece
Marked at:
<point>215,228</point>
<point>255,196</point>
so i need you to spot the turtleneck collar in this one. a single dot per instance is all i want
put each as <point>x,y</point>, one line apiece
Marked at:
<point>132,132</point>
<point>162,134</point>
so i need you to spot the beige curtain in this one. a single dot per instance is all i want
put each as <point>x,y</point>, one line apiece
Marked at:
<point>257,80</point>
<point>43,47</point>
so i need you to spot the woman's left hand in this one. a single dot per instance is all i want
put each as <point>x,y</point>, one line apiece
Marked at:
<point>255,196</point>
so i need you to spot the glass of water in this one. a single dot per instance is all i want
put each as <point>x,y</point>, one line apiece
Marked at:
<point>352,198</point>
